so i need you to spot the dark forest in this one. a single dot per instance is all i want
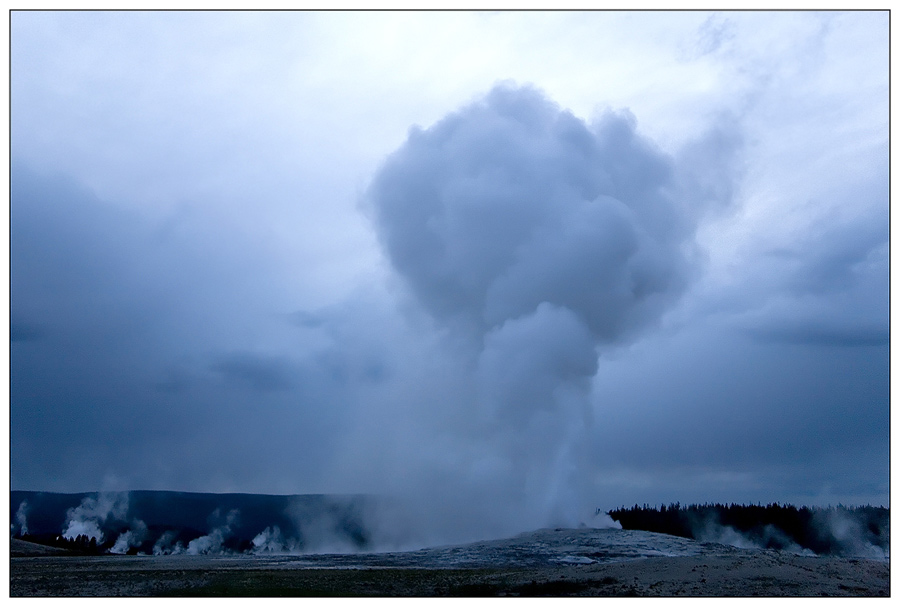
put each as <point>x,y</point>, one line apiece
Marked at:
<point>834,530</point>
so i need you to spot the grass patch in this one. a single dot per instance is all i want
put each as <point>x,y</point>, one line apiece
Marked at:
<point>552,588</point>
<point>475,590</point>
<point>340,583</point>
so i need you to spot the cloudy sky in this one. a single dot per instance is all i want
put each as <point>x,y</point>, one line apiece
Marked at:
<point>510,267</point>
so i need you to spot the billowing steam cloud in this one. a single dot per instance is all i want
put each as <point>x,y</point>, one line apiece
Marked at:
<point>88,518</point>
<point>534,239</point>
<point>510,203</point>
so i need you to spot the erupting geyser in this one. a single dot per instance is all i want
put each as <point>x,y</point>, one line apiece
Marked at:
<point>534,239</point>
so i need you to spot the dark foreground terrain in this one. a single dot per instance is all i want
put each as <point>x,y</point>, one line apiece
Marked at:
<point>546,563</point>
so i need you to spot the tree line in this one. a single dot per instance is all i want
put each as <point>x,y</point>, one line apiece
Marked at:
<point>83,543</point>
<point>833,530</point>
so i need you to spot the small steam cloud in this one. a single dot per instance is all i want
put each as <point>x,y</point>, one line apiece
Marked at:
<point>534,240</point>
<point>166,544</point>
<point>21,520</point>
<point>272,540</point>
<point>131,538</point>
<point>770,536</point>
<point>89,517</point>
<point>850,534</point>
<point>603,520</point>
<point>213,542</point>
<point>334,527</point>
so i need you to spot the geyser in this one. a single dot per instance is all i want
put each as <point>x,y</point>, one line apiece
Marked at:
<point>532,239</point>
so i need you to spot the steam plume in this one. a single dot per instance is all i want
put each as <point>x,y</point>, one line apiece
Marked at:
<point>130,538</point>
<point>164,544</point>
<point>89,517</point>
<point>21,519</point>
<point>212,543</point>
<point>534,240</point>
<point>272,540</point>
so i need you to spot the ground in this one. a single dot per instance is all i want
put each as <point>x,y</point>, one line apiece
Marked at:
<point>760,573</point>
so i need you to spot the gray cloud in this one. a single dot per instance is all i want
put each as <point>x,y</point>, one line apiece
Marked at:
<point>825,335</point>
<point>786,421</point>
<point>835,255</point>
<point>126,351</point>
<point>260,373</point>
<point>827,283</point>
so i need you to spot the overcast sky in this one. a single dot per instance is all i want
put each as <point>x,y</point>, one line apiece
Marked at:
<point>511,267</point>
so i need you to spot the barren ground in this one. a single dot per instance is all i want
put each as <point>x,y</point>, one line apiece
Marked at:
<point>709,571</point>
